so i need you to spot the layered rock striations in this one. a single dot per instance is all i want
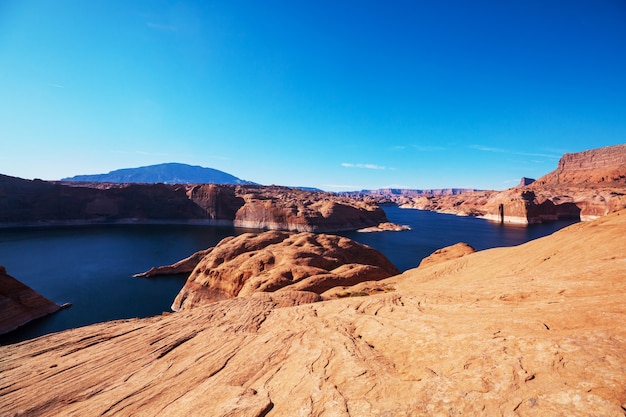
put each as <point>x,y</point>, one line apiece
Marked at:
<point>20,304</point>
<point>596,166</point>
<point>401,196</point>
<point>276,261</point>
<point>520,331</point>
<point>585,186</point>
<point>28,203</point>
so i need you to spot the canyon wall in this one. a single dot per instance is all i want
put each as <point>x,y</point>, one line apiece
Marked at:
<point>596,166</point>
<point>585,186</point>
<point>41,203</point>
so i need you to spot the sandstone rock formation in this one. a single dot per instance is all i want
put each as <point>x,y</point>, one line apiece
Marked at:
<point>399,196</point>
<point>585,186</point>
<point>20,304</point>
<point>602,165</point>
<point>41,203</point>
<point>445,254</point>
<point>531,330</point>
<point>280,261</point>
<point>385,227</point>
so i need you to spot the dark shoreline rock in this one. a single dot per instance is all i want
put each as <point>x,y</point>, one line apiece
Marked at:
<point>37,203</point>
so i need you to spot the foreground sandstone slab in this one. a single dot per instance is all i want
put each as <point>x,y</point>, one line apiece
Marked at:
<point>532,330</point>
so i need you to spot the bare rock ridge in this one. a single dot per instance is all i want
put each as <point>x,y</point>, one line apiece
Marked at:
<point>528,330</point>
<point>275,261</point>
<point>41,203</point>
<point>585,186</point>
<point>20,304</point>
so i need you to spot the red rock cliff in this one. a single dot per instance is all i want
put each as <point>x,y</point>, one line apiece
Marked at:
<point>596,166</point>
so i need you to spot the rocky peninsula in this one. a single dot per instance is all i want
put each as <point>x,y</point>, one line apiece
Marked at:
<point>275,261</point>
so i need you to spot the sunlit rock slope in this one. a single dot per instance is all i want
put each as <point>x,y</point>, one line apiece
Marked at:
<point>532,330</point>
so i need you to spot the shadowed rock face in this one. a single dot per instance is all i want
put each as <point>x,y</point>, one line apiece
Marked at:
<point>40,203</point>
<point>20,304</point>
<point>585,186</point>
<point>280,261</point>
<point>531,330</point>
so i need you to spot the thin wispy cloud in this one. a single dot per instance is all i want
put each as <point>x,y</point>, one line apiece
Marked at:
<point>513,152</point>
<point>363,166</point>
<point>162,27</point>
<point>420,148</point>
<point>56,85</point>
<point>428,148</point>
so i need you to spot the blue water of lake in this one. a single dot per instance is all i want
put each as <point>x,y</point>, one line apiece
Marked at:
<point>91,267</point>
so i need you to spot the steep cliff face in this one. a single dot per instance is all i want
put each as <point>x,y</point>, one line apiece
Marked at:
<point>27,203</point>
<point>596,166</point>
<point>282,208</point>
<point>280,261</point>
<point>20,304</point>
<point>219,202</point>
<point>585,186</point>
<point>531,330</point>
<point>24,203</point>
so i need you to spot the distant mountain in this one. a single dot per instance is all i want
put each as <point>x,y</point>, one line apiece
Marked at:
<point>168,173</point>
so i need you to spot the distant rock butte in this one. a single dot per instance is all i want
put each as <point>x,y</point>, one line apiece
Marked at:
<point>530,330</point>
<point>585,186</point>
<point>41,203</point>
<point>277,261</point>
<point>20,304</point>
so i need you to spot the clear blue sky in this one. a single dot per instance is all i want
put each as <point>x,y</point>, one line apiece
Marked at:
<point>339,95</point>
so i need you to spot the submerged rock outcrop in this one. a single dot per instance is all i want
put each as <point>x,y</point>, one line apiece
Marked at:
<point>526,330</point>
<point>20,304</point>
<point>280,261</point>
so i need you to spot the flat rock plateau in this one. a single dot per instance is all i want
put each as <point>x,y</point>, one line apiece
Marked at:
<point>532,330</point>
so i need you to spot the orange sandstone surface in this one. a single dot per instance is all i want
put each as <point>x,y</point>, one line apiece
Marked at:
<point>532,330</point>
<point>20,304</point>
<point>275,261</point>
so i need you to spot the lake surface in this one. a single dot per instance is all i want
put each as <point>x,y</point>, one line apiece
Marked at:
<point>91,267</point>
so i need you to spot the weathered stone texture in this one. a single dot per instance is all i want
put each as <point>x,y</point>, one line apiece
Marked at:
<point>531,330</point>
<point>280,261</point>
<point>20,304</point>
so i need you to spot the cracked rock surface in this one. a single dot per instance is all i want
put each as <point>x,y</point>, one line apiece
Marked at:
<point>532,330</point>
